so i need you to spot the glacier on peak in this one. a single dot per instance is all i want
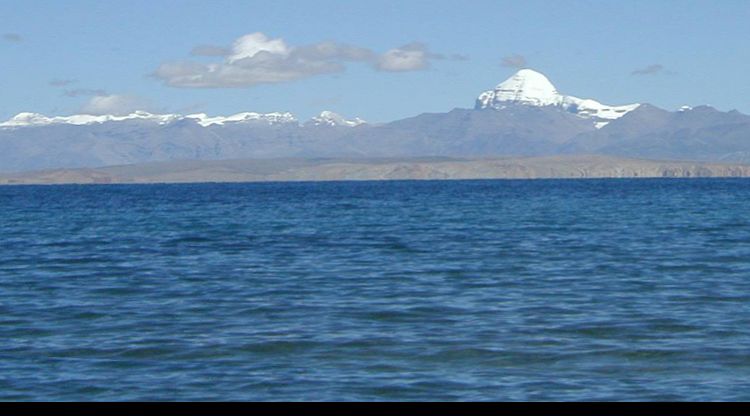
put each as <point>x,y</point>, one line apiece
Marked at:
<point>531,88</point>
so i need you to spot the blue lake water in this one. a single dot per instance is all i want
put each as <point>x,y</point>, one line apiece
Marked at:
<point>465,290</point>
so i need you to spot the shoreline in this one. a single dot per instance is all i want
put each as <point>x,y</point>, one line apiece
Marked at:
<point>378,169</point>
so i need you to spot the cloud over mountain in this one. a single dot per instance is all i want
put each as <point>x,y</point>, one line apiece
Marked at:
<point>411,57</point>
<point>255,59</point>
<point>514,61</point>
<point>114,104</point>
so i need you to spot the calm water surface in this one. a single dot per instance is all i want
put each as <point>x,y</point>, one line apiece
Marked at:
<point>468,290</point>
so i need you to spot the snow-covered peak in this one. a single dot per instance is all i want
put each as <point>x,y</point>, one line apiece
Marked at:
<point>524,87</point>
<point>529,87</point>
<point>35,119</point>
<point>329,118</point>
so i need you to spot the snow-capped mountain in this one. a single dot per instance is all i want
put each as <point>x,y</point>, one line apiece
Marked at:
<point>524,116</point>
<point>531,88</point>
<point>36,119</point>
<point>329,118</point>
<point>326,118</point>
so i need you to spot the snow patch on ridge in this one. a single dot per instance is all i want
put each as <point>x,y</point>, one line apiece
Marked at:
<point>36,119</point>
<point>329,118</point>
<point>269,118</point>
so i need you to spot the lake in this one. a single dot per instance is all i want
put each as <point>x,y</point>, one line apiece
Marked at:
<point>404,290</point>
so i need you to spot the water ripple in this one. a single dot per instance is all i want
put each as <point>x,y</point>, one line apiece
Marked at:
<point>469,290</point>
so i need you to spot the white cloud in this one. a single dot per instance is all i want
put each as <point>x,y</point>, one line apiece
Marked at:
<point>412,57</point>
<point>257,59</point>
<point>250,45</point>
<point>114,105</point>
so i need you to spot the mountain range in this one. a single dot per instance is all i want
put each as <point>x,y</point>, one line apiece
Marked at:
<point>523,116</point>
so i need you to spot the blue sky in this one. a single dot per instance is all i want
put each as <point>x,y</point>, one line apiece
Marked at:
<point>682,52</point>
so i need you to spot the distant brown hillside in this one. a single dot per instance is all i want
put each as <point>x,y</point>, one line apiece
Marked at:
<point>264,170</point>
